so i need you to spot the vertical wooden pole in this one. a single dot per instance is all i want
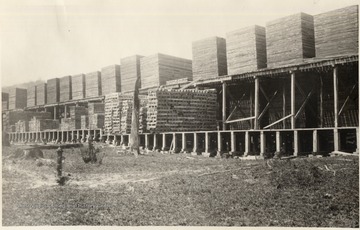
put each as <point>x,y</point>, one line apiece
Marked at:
<point>293,121</point>
<point>55,112</point>
<point>183,147</point>
<point>321,102</point>
<point>315,141</point>
<point>336,109</point>
<point>247,143</point>
<point>262,143</point>
<point>336,139</point>
<point>296,143</point>
<point>155,142</point>
<point>174,146</point>
<point>163,141</point>
<point>206,142</point>
<point>278,141</point>
<point>256,103</point>
<point>233,142</point>
<point>65,112</point>
<point>284,103</point>
<point>195,143</point>
<point>219,142</point>
<point>224,105</point>
<point>146,141</point>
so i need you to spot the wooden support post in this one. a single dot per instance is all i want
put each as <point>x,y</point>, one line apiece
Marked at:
<point>36,136</point>
<point>256,104</point>
<point>357,140</point>
<point>315,141</point>
<point>247,143</point>
<point>146,141</point>
<point>62,136</point>
<point>219,142</point>
<point>224,105</point>
<point>262,143</point>
<point>336,140</point>
<point>83,137</point>
<point>321,103</point>
<point>65,111</point>
<point>174,142</point>
<point>121,139</point>
<point>336,99</point>
<point>233,142</point>
<point>163,141</point>
<point>293,105</point>
<point>183,147</point>
<point>284,103</point>
<point>155,142</point>
<point>296,143</point>
<point>206,142</point>
<point>278,141</point>
<point>55,112</point>
<point>195,143</point>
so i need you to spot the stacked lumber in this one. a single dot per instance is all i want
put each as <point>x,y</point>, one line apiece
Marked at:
<point>181,110</point>
<point>5,101</point>
<point>209,58</point>
<point>17,98</point>
<point>65,88</point>
<point>74,121</point>
<point>78,86</point>
<point>246,49</point>
<point>84,122</point>
<point>22,126</point>
<point>96,121</point>
<point>110,79</point>
<point>41,94</point>
<point>143,115</point>
<point>94,108</point>
<point>337,32</point>
<point>37,125</point>
<point>130,71</point>
<point>159,68</point>
<point>112,113</point>
<point>53,90</point>
<point>125,116</point>
<point>93,84</point>
<point>289,40</point>
<point>11,117</point>
<point>31,96</point>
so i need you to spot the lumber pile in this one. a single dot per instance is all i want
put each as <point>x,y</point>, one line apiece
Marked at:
<point>158,68</point>
<point>337,32</point>
<point>11,117</point>
<point>130,71</point>
<point>31,96</point>
<point>74,121</point>
<point>53,90</point>
<point>37,125</point>
<point>209,58</point>
<point>17,98</point>
<point>96,121</point>
<point>78,86</point>
<point>110,79</point>
<point>289,40</point>
<point>5,101</point>
<point>143,115</point>
<point>84,122</point>
<point>41,94</point>
<point>65,88</point>
<point>22,126</point>
<point>246,49</point>
<point>93,84</point>
<point>181,110</point>
<point>94,108</point>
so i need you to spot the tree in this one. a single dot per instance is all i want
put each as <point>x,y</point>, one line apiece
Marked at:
<point>134,135</point>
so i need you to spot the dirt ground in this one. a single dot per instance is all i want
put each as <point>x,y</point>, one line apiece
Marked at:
<point>180,189</point>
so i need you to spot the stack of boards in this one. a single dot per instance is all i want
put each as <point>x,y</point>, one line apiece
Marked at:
<point>110,79</point>
<point>181,110</point>
<point>246,50</point>
<point>130,71</point>
<point>65,88</point>
<point>31,96</point>
<point>159,68</point>
<point>17,98</point>
<point>209,58</point>
<point>5,101</point>
<point>11,117</point>
<point>41,94</point>
<point>37,125</point>
<point>96,115</point>
<point>337,32</point>
<point>78,86</point>
<point>289,40</point>
<point>93,84</point>
<point>74,122</point>
<point>53,90</point>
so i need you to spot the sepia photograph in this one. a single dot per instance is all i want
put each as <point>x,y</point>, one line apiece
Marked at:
<point>180,114</point>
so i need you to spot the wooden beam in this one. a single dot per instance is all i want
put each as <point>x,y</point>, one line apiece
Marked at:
<point>321,102</point>
<point>284,102</point>
<point>293,119</point>
<point>336,99</point>
<point>346,101</point>
<point>302,107</point>
<point>256,104</point>
<point>224,105</point>
<point>241,119</point>
<point>280,120</point>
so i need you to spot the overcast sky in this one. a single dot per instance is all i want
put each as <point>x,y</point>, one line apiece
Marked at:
<point>42,39</point>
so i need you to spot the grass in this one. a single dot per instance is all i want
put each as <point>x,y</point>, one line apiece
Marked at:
<point>176,190</point>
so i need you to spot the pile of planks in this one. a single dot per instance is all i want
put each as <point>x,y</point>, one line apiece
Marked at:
<point>110,79</point>
<point>130,71</point>
<point>22,126</point>
<point>37,125</point>
<point>337,32</point>
<point>74,121</point>
<point>289,40</point>
<point>11,117</point>
<point>246,49</point>
<point>5,101</point>
<point>31,96</point>
<point>158,68</point>
<point>78,86</point>
<point>41,94</point>
<point>65,88</point>
<point>181,110</point>
<point>93,84</point>
<point>17,98</point>
<point>53,90</point>
<point>209,58</point>
<point>143,115</point>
